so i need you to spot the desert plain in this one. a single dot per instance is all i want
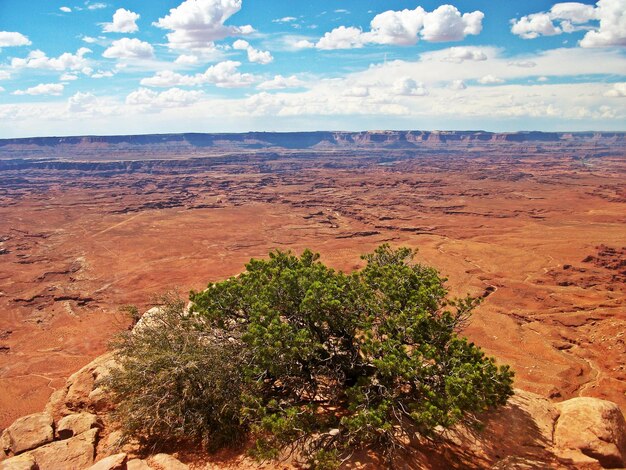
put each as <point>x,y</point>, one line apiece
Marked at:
<point>534,223</point>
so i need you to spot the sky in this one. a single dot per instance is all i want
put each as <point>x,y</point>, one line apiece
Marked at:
<point>160,66</point>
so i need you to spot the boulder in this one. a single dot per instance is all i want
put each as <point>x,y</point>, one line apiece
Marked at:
<point>75,424</point>
<point>21,462</point>
<point>594,427</point>
<point>76,453</point>
<point>27,433</point>
<point>113,462</point>
<point>137,464</point>
<point>81,384</point>
<point>168,462</point>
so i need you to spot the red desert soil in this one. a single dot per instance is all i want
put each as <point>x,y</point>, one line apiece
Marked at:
<point>538,229</point>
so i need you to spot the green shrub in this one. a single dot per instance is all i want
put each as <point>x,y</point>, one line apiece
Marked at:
<point>177,381</point>
<point>322,361</point>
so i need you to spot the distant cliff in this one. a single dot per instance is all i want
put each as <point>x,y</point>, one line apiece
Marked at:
<point>308,140</point>
<point>17,153</point>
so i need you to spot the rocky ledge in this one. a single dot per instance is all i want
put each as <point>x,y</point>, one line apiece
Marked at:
<point>75,432</point>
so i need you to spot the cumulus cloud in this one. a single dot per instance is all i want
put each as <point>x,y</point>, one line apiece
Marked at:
<point>186,59</point>
<point>5,75</point>
<point>223,75</point>
<point>12,39</point>
<point>342,38</point>
<point>254,55</point>
<point>409,87</point>
<point>535,25</point>
<point>66,9</point>
<point>279,82</point>
<point>196,24</point>
<point>407,27</point>
<point>124,21</point>
<point>80,102</point>
<point>490,80</point>
<point>302,44</point>
<point>618,91</point>
<point>457,85</point>
<point>42,89</point>
<point>172,98</point>
<point>460,54</point>
<point>39,60</point>
<point>127,48</point>
<point>610,29</point>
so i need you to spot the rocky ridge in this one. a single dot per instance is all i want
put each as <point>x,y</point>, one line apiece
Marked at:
<point>75,432</point>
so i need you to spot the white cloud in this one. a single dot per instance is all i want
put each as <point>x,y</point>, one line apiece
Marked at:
<point>573,16</point>
<point>2,89</point>
<point>574,12</point>
<point>612,30</point>
<point>409,87</point>
<point>490,80</point>
<point>124,21</point>
<point>286,19</point>
<point>279,82</point>
<point>196,24</point>
<point>356,92</point>
<point>66,9</point>
<point>460,54</point>
<point>12,39</point>
<point>127,48</point>
<point>42,89</point>
<point>447,24</point>
<point>254,55</point>
<point>342,38</point>
<point>618,90</point>
<point>223,75</point>
<point>458,85</point>
<point>303,44</point>
<point>526,64</point>
<point>68,77</point>
<point>406,27</point>
<point>39,60</point>
<point>5,75</point>
<point>96,6</point>
<point>80,102</point>
<point>535,25</point>
<point>154,101</point>
<point>186,59</point>
<point>103,74</point>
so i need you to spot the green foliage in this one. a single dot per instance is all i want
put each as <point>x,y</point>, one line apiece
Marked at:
<point>326,362</point>
<point>177,381</point>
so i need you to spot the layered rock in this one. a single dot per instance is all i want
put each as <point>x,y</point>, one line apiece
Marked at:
<point>75,433</point>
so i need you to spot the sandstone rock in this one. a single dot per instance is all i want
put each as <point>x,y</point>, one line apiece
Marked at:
<point>81,384</point>
<point>167,462</point>
<point>137,464</point>
<point>111,444</point>
<point>27,433</point>
<point>113,462</point>
<point>21,462</point>
<point>595,427</point>
<point>75,424</point>
<point>76,453</point>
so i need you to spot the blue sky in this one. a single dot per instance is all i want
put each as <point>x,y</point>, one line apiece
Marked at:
<point>130,66</point>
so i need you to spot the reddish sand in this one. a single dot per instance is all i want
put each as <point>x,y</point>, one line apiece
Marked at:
<point>540,237</point>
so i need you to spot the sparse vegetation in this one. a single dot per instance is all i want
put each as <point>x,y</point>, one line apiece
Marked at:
<point>293,354</point>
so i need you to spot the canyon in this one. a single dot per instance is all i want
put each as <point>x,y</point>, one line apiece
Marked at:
<point>535,223</point>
